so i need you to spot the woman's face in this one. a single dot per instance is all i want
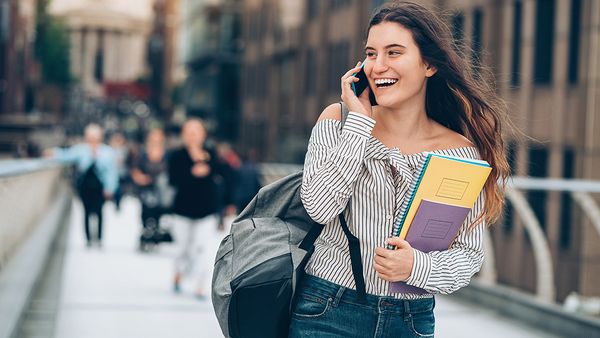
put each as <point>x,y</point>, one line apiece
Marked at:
<point>193,133</point>
<point>396,72</point>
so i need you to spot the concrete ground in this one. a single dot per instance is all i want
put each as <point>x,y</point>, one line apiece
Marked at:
<point>118,291</point>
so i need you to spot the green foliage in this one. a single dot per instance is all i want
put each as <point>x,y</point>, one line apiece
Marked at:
<point>52,48</point>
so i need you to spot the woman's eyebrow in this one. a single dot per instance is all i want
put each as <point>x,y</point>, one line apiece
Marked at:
<point>393,45</point>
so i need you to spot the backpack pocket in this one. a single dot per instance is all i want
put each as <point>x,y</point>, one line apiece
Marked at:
<point>221,289</point>
<point>261,299</point>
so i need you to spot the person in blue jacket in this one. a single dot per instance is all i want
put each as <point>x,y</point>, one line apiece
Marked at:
<point>97,174</point>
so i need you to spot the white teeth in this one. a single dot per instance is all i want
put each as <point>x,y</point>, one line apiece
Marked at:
<point>385,81</point>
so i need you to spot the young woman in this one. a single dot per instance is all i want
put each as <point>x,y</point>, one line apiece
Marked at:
<point>195,173</point>
<point>428,100</point>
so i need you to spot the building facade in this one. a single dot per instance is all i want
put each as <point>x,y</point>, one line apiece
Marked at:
<point>109,40</point>
<point>17,66</point>
<point>213,57</point>
<point>544,55</point>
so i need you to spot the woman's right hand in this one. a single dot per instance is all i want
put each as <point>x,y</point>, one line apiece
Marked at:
<point>361,104</point>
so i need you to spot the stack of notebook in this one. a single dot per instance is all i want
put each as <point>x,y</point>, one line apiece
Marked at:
<point>442,198</point>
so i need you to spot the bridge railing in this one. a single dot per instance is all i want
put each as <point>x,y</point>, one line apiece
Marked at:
<point>35,199</point>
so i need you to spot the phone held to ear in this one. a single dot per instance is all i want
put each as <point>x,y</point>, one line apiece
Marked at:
<point>359,86</point>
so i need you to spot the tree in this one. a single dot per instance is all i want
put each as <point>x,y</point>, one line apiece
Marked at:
<point>52,47</point>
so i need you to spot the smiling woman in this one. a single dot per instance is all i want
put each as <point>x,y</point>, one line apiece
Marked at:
<point>428,100</point>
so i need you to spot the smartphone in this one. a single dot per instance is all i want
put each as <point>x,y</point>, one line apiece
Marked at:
<point>359,86</point>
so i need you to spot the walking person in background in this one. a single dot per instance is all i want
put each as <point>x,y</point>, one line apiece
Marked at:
<point>196,174</point>
<point>149,173</point>
<point>428,100</point>
<point>247,183</point>
<point>119,145</point>
<point>97,175</point>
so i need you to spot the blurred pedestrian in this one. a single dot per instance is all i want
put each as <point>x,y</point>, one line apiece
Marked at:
<point>196,174</point>
<point>149,174</point>
<point>248,181</point>
<point>243,174</point>
<point>119,144</point>
<point>97,176</point>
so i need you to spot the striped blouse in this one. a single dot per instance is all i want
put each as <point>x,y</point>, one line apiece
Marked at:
<point>352,165</point>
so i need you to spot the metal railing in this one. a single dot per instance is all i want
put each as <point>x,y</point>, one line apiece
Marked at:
<point>35,199</point>
<point>580,191</point>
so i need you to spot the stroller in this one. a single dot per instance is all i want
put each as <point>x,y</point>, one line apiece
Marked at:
<point>155,200</point>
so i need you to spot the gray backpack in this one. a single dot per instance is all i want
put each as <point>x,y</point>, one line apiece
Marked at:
<point>260,262</point>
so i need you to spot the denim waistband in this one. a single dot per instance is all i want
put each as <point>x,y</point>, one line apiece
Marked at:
<point>337,293</point>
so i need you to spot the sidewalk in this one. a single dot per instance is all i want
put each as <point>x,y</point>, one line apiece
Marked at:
<point>116,291</point>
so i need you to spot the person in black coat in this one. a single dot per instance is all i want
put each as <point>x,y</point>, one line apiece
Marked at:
<point>197,176</point>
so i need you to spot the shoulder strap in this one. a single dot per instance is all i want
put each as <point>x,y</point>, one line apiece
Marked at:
<point>344,112</point>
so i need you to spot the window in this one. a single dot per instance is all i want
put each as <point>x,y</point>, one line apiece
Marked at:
<point>310,71</point>
<point>338,64</point>
<point>377,3</point>
<point>544,42</point>
<point>566,202</point>
<point>337,4</point>
<point>538,167</point>
<point>511,156</point>
<point>458,28</point>
<point>312,9</point>
<point>516,43</point>
<point>285,77</point>
<point>477,36</point>
<point>262,78</point>
<point>574,33</point>
<point>99,59</point>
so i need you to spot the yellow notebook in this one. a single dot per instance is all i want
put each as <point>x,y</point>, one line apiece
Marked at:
<point>446,179</point>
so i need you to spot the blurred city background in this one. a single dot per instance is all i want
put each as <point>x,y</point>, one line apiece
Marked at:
<point>258,73</point>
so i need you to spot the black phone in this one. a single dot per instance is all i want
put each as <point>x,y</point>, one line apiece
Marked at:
<point>359,86</point>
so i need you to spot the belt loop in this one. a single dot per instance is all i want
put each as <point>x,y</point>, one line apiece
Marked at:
<point>338,296</point>
<point>406,309</point>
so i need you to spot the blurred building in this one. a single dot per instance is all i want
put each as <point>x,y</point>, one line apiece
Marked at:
<point>544,54</point>
<point>213,56</point>
<point>18,71</point>
<point>163,58</point>
<point>109,40</point>
<point>294,54</point>
<point>17,68</point>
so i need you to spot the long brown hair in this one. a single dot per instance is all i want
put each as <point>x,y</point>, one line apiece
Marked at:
<point>456,96</point>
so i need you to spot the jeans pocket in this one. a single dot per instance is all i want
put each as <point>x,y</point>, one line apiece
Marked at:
<point>311,306</point>
<point>422,324</point>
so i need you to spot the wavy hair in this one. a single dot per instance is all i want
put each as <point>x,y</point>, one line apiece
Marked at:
<point>457,96</point>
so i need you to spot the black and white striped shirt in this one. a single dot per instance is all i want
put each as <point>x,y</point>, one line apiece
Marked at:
<point>350,164</point>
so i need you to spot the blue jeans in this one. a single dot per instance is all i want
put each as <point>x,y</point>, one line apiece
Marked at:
<point>326,310</point>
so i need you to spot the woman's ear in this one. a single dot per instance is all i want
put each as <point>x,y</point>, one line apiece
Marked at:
<point>430,70</point>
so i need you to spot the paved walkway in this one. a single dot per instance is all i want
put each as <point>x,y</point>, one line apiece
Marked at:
<point>117,291</point>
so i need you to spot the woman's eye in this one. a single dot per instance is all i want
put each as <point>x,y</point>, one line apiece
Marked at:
<point>394,52</point>
<point>370,54</point>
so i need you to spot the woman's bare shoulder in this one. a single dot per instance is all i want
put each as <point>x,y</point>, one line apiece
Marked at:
<point>331,112</point>
<point>448,139</point>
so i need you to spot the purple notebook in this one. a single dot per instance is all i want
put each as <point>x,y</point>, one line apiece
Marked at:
<point>433,229</point>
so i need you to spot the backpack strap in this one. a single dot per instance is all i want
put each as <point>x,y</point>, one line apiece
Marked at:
<point>356,260</point>
<point>344,113</point>
<point>353,242</point>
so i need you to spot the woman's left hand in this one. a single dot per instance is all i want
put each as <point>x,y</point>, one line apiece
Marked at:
<point>394,265</point>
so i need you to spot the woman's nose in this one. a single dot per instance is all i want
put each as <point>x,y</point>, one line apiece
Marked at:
<point>380,65</point>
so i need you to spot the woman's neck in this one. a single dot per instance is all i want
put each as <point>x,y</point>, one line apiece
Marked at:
<point>403,123</point>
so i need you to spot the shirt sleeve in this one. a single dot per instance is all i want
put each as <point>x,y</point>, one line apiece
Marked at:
<point>71,154</point>
<point>333,163</point>
<point>111,174</point>
<point>447,271</point>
